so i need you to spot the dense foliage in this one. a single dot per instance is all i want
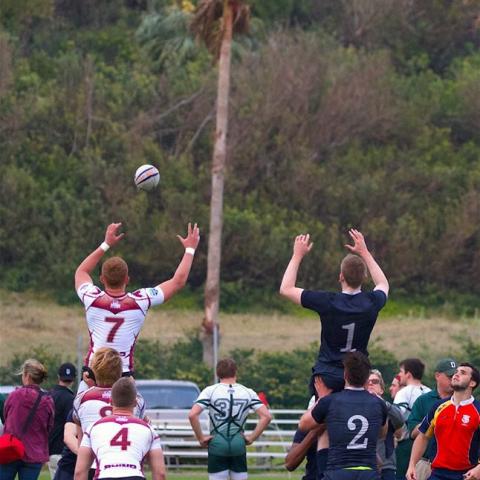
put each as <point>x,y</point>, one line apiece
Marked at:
<point>343,113</point>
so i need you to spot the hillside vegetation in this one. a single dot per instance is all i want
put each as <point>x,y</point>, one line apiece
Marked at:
<point>343,113</point>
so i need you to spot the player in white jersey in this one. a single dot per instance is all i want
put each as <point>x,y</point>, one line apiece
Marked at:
<point>115,317</point>
<point>95,403</point>
<point>120,442</point>
<point>228,404</point>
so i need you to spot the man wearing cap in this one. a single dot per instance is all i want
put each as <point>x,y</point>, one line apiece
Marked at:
<point>444,372</point>
<point>63,396</point>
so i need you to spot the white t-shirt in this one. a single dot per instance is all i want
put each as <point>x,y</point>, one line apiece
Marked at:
<point>120,444</point>
<point>406,396</point>
<point>95,403</point>
<point>228,406</point>
<point>116,321</point>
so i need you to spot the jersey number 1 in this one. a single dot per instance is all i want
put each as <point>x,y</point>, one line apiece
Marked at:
<point>121,439</point>
<point>117,323</point>
<point>350,328</point>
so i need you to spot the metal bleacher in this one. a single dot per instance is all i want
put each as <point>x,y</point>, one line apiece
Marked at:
<point>181,449</point>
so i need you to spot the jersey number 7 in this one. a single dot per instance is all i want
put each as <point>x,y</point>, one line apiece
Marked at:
<point>121,439</point>
<point>117,323</point>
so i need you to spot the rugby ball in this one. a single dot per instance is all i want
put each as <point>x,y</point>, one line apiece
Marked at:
<point>146,177</point>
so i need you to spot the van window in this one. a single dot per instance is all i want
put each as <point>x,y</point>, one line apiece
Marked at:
<point>158,396</point>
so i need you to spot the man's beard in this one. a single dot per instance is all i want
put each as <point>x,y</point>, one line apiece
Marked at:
<point>459,387</point>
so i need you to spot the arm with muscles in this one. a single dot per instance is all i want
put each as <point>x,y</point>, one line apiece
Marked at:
<point>288,288</point>
<point>419,446</point>
<point>82,274</point>
<point>179,279</point>
<point>298,451</point>
<point>157,464</point>
<point>359,247</point>
<point>84,462</point>
<point>264,418</point>
<point>194,419</point>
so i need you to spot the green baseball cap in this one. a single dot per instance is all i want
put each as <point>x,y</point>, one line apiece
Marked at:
<point>447,366</point>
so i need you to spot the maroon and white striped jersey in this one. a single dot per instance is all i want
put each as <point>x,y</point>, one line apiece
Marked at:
<point>116,321</point>
<point>120,444</point>
<point>94,404</point>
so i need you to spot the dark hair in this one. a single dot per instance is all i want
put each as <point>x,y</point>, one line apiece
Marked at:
<point>354,270</point>
<point>115,272</point>
<point>226,368</point>
<point>124,393</point>
<point>357,368</point>
<point>414,366</point>
<point>475,373</point>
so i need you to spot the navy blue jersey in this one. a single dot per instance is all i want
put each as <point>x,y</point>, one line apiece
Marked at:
<point>354,419</point>
<point>347,321</point>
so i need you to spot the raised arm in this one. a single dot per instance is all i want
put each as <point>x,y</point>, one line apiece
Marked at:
<point>264,418</point>
<point>82,274</point>
<point>288,288</point>
<point>179,279</point>
<point>359,247</point>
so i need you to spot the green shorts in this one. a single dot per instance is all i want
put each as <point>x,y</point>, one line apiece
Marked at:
<point>227,453</point>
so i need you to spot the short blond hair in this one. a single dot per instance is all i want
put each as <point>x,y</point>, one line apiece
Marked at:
<point>107,366</point>
<point>115,272</point>
<point>35,370</point>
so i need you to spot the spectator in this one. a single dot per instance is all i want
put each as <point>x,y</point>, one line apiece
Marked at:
<point>394,386</point>
<point>444,372</point>
<point>19,404</point>
<point>411,373</point>
<point>63,398</point>
<point>68,459</point>
<point>386,446</point>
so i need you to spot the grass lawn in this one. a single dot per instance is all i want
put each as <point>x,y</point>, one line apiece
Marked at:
<point>33,321</point>
<point>192,475</point>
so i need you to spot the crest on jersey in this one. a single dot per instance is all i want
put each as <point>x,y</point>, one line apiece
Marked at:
<point>107,394</point>
<point>465,418</point>
<point>122,419</point>
<point>152,292</point>
<point>115,305</point>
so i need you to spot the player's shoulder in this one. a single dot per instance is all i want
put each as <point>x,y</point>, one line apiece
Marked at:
<point>88,289</point>
<point>94,393</point>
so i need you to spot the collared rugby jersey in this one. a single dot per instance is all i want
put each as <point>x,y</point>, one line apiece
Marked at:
<point>95,403</point>
<point>120,445</point>
<point>116,321</point>
<point>456,430</point>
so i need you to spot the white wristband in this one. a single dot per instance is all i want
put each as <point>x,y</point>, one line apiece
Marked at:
<point>104,246</point>
<point>190,251</point>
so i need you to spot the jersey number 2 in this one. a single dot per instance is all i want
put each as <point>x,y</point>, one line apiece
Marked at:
<point>121,439</point>
<point>117,323</point>
<point>352,425</point>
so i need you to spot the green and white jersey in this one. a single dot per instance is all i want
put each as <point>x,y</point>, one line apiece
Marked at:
<point>228,407</point>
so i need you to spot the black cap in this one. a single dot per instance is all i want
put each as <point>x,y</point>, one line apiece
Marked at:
<point>67,371</point>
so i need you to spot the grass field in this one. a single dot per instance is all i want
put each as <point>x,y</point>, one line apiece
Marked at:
<point>33,321</point>
<point>173,475</point>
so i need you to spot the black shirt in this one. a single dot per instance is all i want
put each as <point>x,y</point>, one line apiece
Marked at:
<point>69,459</point>
<point>347,321</point>
<point>354,418</point>
<point>63,398</point>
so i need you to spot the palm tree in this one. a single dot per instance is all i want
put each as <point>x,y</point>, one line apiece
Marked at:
<point>214,23</point>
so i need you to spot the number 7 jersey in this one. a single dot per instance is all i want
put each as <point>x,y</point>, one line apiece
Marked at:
<point>116,322</point>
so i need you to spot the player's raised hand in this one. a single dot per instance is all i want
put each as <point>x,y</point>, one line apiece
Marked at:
<point>112,236</point>
<point>359,246</point>
<point>302,245</point>
<point>192,238</point>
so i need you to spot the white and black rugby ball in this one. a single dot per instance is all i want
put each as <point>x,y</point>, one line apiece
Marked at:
<point>147,177</point>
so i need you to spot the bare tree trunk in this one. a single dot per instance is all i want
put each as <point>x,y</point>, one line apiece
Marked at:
<point>212,287</point>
